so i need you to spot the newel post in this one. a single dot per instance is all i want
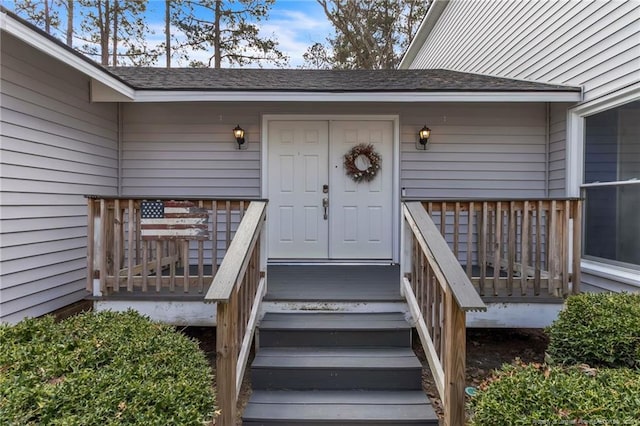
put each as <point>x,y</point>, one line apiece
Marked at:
<point>454,362</point>
<point>226,361</point>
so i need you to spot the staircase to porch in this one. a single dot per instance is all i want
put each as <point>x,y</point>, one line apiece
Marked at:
<point>334,347</point>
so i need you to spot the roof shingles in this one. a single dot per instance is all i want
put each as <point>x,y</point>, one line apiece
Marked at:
<point>302,80</point>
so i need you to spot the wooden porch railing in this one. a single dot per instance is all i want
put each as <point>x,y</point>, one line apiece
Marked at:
<point>439,294</point>
<point>514,247</point>
<point>237,288</point>
<point>124,257</point>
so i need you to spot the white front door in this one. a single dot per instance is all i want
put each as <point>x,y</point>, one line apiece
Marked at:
<point>318,212</point>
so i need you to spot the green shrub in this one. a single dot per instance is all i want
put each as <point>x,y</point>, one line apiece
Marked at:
<point>102,369</point>
<point>539,395</point>
<point>597,329</point>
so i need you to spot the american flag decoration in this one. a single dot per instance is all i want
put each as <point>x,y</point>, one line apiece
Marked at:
<point>173,220</point>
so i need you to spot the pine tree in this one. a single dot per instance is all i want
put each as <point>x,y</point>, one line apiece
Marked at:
<point>228,31</point>
<point>116,31</point>
<point>369,34</point>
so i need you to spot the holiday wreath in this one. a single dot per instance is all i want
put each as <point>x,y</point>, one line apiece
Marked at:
<point>362,163</point>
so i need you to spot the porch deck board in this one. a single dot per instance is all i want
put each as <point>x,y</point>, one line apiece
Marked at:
<point>356,283</point>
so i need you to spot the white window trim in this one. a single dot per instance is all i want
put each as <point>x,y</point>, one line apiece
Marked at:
<point>611,272</point>
<point>575,171</point>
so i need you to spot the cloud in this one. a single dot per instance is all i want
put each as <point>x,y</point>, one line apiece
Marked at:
<point>296,31</point>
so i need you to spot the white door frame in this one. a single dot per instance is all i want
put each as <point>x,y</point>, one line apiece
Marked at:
<point>395,197</point>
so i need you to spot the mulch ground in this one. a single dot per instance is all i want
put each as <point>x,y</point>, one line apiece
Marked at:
<point>487,349</point>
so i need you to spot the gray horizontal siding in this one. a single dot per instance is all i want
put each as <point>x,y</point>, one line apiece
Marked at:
<point>557,150</point>
<point>189,150</point>
<point>590,43</point>
<point>56,147</point>
<point>477,150</point>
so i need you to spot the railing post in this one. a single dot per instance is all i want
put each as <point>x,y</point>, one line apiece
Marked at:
<point>454,362</point>
<point>577,246</point>
<point>226,361</point>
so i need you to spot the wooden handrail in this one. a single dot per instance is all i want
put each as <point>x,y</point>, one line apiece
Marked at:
<point>439,294</point>
<point>445,265</point>
<point>237,288</point>
<point>237,258</point>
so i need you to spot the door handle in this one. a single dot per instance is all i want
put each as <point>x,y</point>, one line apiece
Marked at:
<point>325,205</point>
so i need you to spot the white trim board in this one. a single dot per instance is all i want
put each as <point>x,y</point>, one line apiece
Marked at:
<point>179,313</point>
<point>611,272</point>
<point>515,315</point>
<point>395,198</point>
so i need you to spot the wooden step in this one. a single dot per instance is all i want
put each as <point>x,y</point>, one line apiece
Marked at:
<point>310,408</point>
<point>334,329</point>
<point>336,368</point>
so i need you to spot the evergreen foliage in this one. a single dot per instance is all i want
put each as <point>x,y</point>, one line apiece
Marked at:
<point>100,369</point>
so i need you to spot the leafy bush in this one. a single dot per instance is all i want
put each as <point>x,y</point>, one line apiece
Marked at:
<point>597,329</point>
<point>537,394</point>
<point>102,369</point>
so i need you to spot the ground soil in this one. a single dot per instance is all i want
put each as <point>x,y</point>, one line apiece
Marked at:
<point>487,349</point>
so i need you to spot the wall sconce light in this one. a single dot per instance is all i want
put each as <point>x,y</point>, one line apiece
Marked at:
<point>238,133</point>
<point>423,138</point>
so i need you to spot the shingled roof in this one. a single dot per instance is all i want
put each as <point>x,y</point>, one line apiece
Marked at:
<point>332,81</point>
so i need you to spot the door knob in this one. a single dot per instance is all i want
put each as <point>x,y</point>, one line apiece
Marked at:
<point>325,205</point>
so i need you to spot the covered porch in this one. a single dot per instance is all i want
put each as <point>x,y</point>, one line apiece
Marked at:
<point>455,256</point>
<point>512,251</point>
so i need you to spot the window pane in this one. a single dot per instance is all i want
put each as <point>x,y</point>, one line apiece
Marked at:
<point>612,144</point>
<point>612,223</point>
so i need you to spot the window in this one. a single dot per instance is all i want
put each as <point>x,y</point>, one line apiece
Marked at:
<point>612,185</point>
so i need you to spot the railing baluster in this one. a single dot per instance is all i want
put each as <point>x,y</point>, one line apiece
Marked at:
<point>145,265</point>
<point>159,266</point>
<point>512,247</point>
<point>577,248</point>
<point>524,249</point>
<point>228,224</point>
<point>456,229</point>
<point>497,250</point>
<point>201,257</point>
<point>214,238</point>
<point>104,246</point>
<point>130,244</point>
<point>470,213</point>
<point>91,217</point>
<point>552,249</point>
<point>482,248</point>
<point>186,265</point>
<point>537,264</point>
<point>173,253</point>
<point>117,242</point>
<point>565,248</point>
<point>138,233</point>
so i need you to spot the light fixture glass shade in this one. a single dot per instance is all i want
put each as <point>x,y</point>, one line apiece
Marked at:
<point>425,132</point>
<point>423,138</point>
<point>238,133</point>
